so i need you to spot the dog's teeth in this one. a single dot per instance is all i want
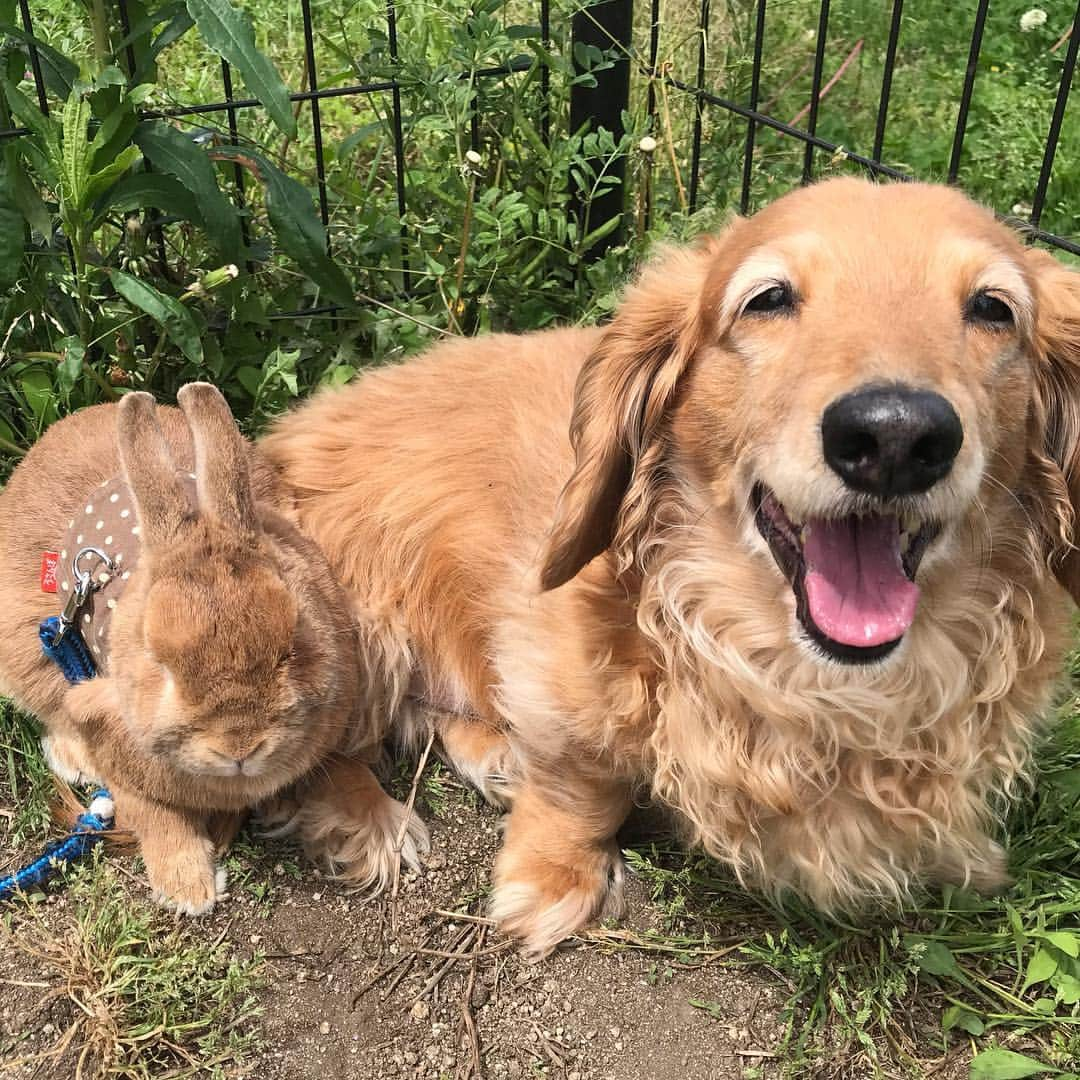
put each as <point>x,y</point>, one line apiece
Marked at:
<point>804,532</point>
<point>905,542</point>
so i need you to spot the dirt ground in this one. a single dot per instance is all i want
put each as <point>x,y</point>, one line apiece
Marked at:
<point>349,994</point>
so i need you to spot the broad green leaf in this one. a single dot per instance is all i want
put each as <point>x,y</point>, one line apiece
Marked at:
<point>43,127</point>
<point>228,31</point>
<point>100,182</point>
<point>1067,987</point>
<point>300,233</point>
<point>1067,942</point>
<point>250,378</point>
<point>38,390</point>
<point>76,153</point>
<point>297,226</point>
<point>338,376</point>
<point>154,190</point>
<point>172,152</point>
<point>1006,1065</point>
<point>12,223</point>
<point>57,70</point>
<point>935,958</point>
<point>29,200</point>
<point>174,318</point>
<point>958,1016</point>
<point>73,354</point>
<point>178,26</point>
<point>1041,966</point>
<point>113,135</point>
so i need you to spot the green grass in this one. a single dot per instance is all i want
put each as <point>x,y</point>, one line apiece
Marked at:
<point>25,781</point>
<point>139,995</point>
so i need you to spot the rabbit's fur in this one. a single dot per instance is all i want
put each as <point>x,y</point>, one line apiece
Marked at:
<point>234,675</point>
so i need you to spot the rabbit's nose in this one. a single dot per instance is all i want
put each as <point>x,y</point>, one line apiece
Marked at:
<point>244,754</point>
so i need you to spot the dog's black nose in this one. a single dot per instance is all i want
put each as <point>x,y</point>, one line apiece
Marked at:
<point>891,440</point>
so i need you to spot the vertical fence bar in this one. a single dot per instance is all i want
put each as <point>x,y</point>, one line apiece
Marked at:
<point>399,141</point>
<point>751,126</point>
<point>650,106</point>
<point>886,79</point>
<point>815,90</point>
<point>151,216</point>
<point>969,86</point>
<point>316,117</point>
<point>42,96</point>
<point>129,49</point>
<point>234,140</point>
<point>604,25</point>
<point>35,60</point>
<point>654,53</point>
<point>545,72</point>
<point>1039,199</point>
<point>699,104</point>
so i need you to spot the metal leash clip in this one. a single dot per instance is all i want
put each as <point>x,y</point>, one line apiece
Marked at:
<point>84,587</point>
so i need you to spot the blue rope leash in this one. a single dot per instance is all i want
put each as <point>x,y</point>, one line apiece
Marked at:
<point>87,833</point>
<point>64,646</point>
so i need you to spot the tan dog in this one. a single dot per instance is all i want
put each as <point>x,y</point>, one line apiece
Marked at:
<point>802,583</point>
<point>232,671</point>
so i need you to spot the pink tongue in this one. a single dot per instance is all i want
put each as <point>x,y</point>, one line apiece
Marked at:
<point>856,587</point>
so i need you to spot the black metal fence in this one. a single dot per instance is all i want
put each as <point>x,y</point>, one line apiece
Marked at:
<point>608,25</point>
<point>871,161</point>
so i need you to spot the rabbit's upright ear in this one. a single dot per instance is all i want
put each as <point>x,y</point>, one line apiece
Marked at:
<point>222,473</point>
<point>160,500</point>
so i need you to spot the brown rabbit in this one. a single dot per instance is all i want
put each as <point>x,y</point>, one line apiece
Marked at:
<point>230,671</point>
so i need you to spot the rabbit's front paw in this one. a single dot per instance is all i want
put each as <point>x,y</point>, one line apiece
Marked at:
<point>68,758</point>
<point>186,880</point>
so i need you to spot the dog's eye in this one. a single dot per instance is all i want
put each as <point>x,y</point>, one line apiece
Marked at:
<point>987,309</point>
<point>772,301</point>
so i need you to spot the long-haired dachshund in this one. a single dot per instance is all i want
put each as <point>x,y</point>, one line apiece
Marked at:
<point>787,546</point>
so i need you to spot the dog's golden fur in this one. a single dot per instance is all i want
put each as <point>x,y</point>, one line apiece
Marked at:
<point>633,632</point>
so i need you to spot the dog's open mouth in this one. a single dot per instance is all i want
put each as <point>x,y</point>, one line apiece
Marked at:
<point>853,577</point>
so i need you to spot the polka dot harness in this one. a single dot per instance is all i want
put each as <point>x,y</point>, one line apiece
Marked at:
<point>105,530</point>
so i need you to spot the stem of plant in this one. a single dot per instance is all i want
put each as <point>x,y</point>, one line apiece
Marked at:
<point>102,47</point>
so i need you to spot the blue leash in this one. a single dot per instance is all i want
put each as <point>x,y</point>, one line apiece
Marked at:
<point>66,649</point>
<point>62,643</point>
<point>87,833</point>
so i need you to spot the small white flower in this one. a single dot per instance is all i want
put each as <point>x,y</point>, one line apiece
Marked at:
<point>472,157</point>
<point>1032,20</point>
<point>647,145</point>
<point>1021,209</point>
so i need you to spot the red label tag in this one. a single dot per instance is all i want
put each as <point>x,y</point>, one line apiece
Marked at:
<point>50,561</point>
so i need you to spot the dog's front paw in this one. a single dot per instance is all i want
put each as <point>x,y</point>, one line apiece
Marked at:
<point>362,843</point>
<point>986,873</point>
<point>188,882</point>
<point>541,902</point>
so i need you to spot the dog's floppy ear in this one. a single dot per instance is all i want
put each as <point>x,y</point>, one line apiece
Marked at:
<point>1055,448</point>
<point>622,394</point>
